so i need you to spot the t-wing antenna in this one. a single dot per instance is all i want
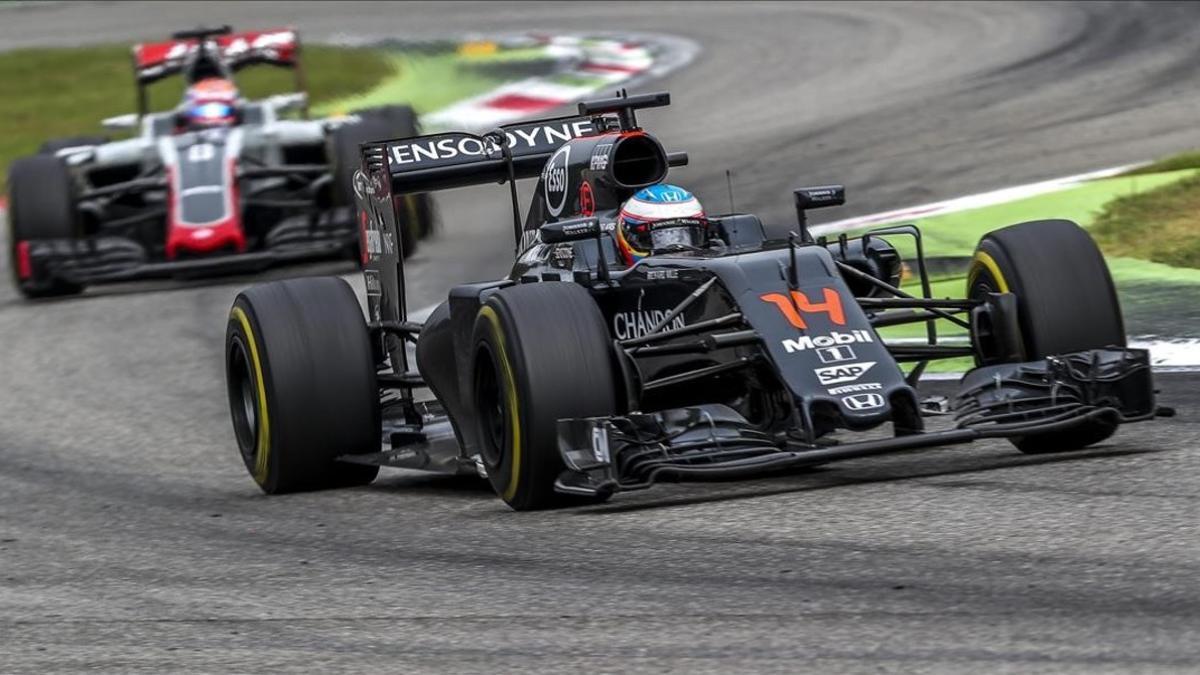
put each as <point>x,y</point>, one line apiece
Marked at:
<point>625,105</point>
<point>201,33</point>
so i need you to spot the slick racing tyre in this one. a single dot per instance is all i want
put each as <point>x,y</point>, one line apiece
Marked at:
<point>541,353</point>
<point>414,212</point>
<point>41,206</point>
<point>54,145</point>
<point>1065,300</point>
<point>301,381</point>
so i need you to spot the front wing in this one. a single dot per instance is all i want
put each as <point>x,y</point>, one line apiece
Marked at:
<point>109,259</point>
<point>1060,393</point>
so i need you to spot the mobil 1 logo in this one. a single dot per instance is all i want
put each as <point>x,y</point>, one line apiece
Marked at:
<point>835,354</point>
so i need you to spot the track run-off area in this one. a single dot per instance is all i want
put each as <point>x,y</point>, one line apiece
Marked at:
<point>131,539</point>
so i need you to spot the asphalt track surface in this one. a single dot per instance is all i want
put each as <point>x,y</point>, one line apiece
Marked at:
<point>131,539</point>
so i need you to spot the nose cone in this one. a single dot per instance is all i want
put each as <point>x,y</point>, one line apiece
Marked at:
<point>820,341</point>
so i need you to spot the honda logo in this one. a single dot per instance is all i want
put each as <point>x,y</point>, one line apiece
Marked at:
<point>859,402</point>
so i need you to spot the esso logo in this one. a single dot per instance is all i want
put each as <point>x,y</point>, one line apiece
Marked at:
<point>554,180</point>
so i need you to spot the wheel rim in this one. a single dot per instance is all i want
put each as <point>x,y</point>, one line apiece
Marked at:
<point>492,421</point>
<point>983,337</point>
<point>243,401</point>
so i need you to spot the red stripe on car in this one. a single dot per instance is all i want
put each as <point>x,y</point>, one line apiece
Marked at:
<point>24,264</point>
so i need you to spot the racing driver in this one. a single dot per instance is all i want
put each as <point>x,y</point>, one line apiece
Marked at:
<point>660,219</point>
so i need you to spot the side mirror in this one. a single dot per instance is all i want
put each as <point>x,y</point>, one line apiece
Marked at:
<point>573,229</point>
<point>288,102</point>
<point>121,122</point>
<point>815,198</point>
<point>820,197</point>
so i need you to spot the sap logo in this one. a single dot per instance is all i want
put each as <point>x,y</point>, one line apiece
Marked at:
<point>851,388</point>
<point>554,180</point>
<point>835,354</point>
<point>628,325</point>
<point>847,373</point>
<point>858,402</point>
<point>835,338</point>
<point>792,307</point>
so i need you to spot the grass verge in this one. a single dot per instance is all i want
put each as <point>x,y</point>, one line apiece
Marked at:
<point>1145,223</point>
<point>427,81</point>
<point>1161,225</point>
<point>955,234</point>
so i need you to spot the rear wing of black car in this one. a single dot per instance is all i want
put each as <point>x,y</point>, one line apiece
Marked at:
<point>458,159</point>
<point>513,151</point>
<point>396,167</point>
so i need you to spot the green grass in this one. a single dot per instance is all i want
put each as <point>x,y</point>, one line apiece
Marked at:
<point>1184,160</point>
<point>1161,225</point>
<point>426,81</point>
<point>1141,202</point>
<point>50,93</point>
<point>955,234</point>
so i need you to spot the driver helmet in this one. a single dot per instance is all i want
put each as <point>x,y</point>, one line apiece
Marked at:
<point>659,219</point>
<point>211,102</point>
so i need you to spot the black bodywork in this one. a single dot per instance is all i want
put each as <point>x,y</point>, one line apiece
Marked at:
<point>743,357</point>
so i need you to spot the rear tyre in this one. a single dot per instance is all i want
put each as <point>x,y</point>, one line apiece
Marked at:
<point>301,382</point>
<point>41,206</point>
<point>1066,302</point>
<point>541,353</point>
<point>415,212</point>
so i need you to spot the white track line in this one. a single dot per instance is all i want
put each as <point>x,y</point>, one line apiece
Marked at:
<point>970,201</point>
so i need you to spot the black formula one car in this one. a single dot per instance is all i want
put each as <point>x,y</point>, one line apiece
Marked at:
<point>575,378</point>
<point>178,199</point>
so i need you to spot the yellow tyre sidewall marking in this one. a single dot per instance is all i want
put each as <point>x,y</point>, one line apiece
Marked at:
<point>988,263</point>
<point>510,399</point>
<point>262,452</point>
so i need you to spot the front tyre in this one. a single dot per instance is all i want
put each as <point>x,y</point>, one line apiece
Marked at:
<point>300,377</point>
<point>1066,302</point>
<point>541,353</point>
<point>41,207</point>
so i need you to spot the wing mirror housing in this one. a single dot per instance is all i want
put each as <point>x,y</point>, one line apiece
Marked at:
<point>124,122</point>
<point>820,197</point>
<point>289,102</point>
<point>578,229</point>
<point>817,197</point>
